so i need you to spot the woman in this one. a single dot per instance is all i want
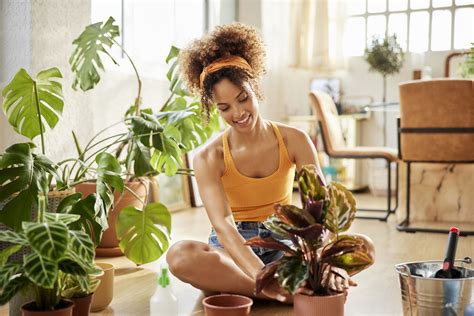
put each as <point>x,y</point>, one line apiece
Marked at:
<point>242,173</point>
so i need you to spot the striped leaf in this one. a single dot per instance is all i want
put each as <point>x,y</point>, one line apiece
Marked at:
<point>48,239</point>
<point>14,238</point>
<point>13,287</point>
<point>40,270</point>
<point>292,272</point>
<point>342,208</point>
<point>81,244</point>
<point>66,219</point>
<point>73,264</point>
<point>7,271</point>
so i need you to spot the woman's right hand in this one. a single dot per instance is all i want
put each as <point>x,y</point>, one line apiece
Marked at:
<point>274,291</point>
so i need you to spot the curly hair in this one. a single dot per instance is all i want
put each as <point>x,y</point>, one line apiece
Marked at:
<point>232,39</point>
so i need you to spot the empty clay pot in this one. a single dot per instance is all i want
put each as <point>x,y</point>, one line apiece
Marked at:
<point>332,305</point>
<point>227,305</point>
<point>105,291</point>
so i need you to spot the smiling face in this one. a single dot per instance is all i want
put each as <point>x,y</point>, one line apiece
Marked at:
<point>238,106</point>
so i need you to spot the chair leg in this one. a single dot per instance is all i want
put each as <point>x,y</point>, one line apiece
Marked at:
<point>396,188</point>
<point>388,210</point>
<point>404,225</point>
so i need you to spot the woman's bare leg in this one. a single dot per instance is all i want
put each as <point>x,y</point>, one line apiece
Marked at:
<point>207,268</point>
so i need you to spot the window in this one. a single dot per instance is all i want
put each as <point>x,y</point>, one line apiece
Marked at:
<point>150,27</point>
<point>420,25</point>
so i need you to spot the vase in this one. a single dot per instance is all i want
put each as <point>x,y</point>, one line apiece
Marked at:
<point>104,293</point>
<point>109,244</point>
<point>331,305</point>
<point>64,308</point>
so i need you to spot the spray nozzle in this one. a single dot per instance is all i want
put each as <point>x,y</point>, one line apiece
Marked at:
<point>164,280</point>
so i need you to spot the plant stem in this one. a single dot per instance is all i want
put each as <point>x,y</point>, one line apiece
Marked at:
<point>38,110</point>
<point>138,98</point>
<point>41,207</point>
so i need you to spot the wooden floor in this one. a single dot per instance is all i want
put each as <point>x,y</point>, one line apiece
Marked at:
<point>378,290</point>
<point>377,293</point>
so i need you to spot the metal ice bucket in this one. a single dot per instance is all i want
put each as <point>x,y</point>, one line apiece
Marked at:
<point>423,295</point>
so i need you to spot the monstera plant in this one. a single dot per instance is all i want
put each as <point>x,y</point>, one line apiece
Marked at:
<point>55,249</point>
<point>319,251</point>
<point>153,141</point>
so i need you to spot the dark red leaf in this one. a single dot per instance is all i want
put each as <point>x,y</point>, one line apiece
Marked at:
<point>269,243</point>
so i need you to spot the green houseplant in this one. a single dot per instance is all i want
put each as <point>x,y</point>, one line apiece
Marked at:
<point>386,57</point>
<point>153,142</point>
<point>466,68</point>
<point>55,249</point>
<point>311,261</point>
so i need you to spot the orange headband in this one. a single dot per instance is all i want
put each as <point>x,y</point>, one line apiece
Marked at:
<point>228,61</point>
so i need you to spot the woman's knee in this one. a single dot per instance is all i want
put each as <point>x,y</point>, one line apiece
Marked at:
<point>183,255</point>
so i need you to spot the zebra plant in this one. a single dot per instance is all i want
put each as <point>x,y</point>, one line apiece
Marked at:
<point>55,249</point>
<point>310,260</point>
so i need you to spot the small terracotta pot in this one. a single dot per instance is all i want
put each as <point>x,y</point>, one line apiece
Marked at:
<point>108,246</point>
<point>332,305</point>
<point>82,305</point>
<point>64,308</point>
<point>104,293</point>
<point>227,305</point>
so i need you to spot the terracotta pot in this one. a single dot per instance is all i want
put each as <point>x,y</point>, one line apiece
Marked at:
<point>64,308</point>
<point>82,305</point>
<point>108,246</point>
<point>104,293</point>
<point>227,305</point>
<point>332,305</point>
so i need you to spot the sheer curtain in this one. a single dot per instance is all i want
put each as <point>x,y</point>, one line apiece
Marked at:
<point>317,29</point>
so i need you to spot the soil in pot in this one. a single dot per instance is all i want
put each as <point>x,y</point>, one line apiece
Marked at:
<point>64,308</point>
<point>332,305</point>
<point>227,305</point>
<point>82,305</point>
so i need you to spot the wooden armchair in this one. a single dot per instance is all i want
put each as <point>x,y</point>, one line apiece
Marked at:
<point>335,147</point>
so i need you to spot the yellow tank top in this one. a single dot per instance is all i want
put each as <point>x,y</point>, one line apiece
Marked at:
<point>252,199</point>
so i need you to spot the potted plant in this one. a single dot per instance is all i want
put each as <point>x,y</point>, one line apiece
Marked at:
<point>319,252</point>
<point>55,249</point>
<point>386,57</point>
<point>153,142</point>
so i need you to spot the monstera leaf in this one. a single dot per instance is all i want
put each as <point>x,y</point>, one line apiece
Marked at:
<point>23,175</point>
<point>108,180</point>
<point>29,104</point>
<point>176,86</point>
<point>141,240</point>
<point>342,209</point>
<point>292,272</point>
<point>85,61</point>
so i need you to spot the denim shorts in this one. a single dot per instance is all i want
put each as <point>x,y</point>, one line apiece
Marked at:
<point>249,230</point>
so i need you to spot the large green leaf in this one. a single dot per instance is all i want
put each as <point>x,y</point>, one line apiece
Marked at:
<point>26,100</point>
<point>342,209</point>
<point>50,240</point>
<point>40,270</point>
<point>108,180</point>
<point>85,61</point>
<point>141,234</point>
<point>88,221</point>
<point>292,272</point>
<point>140,156</point>
<point>173,74</point>
<point>81,244</point>
<point>23,175</point>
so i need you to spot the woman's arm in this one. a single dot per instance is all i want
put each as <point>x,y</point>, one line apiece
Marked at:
<point>207,172</point>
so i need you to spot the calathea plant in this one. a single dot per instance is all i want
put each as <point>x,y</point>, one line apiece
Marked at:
<point>153,141</point>
<point>312,260</point>
<point>56,250</point>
